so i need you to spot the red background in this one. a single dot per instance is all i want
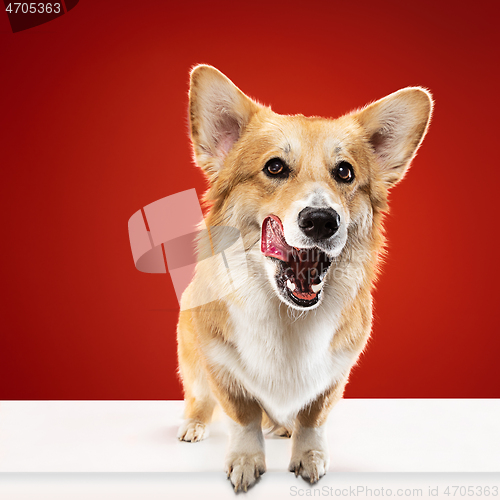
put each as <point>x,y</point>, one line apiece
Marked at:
<point>93,116</point>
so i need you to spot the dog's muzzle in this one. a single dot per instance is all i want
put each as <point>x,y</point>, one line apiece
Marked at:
<point>300,271</point>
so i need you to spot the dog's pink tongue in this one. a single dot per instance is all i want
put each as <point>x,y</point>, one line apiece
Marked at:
<point>273,242</point>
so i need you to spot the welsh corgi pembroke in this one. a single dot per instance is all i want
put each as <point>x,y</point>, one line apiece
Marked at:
<point>307,196</point>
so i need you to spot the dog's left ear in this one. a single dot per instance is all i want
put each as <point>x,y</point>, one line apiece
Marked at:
<point>395,127</point>
<point>218,115</point>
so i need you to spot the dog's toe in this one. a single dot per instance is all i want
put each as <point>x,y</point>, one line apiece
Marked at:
<point>282,432</point>
<point>192,431</point>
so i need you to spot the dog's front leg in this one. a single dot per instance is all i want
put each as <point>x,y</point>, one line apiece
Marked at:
<point>245,459</point>
<point>310,457</point>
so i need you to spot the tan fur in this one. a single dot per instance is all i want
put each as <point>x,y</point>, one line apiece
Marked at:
<point>233,137</point>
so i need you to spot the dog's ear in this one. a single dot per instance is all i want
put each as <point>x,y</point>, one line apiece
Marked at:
<point>395,127</point>
<point>218,114</point>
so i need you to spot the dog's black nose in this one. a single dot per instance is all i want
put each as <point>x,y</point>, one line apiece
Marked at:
<point>319,223</point>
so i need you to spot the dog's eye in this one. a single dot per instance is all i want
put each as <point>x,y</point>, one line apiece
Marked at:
<point>344,172</point>
<point>276,168</point>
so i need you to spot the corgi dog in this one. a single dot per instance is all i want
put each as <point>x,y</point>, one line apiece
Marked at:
<point>307,195</point>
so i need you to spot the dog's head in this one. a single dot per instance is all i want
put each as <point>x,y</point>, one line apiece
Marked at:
<point>307,188</point>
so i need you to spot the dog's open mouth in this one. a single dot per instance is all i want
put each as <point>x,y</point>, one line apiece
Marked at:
<point>301,270</point>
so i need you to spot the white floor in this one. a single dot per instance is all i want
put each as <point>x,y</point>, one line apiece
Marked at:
<point>366,436</point>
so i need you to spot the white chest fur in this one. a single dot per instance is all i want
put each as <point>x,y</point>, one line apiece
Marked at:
<point>279,355</point>
<point>283,362</point>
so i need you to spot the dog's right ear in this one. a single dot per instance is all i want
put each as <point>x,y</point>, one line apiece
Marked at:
<point>218,114</point>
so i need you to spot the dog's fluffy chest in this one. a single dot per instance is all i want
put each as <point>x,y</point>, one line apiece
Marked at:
<point>284,363</point>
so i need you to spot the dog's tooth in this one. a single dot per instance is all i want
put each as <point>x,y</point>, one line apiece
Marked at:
<point>290,285</point>
<point>317,288</point>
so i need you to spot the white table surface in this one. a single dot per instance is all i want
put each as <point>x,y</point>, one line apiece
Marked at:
<point>365,435</point>
<point>109,449</point>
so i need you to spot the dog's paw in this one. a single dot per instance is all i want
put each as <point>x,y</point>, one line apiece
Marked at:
<point>282,432</point>
<point>192,431</point>
<point>243,470</point>
<point>311,465</point>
